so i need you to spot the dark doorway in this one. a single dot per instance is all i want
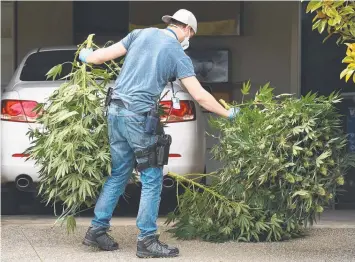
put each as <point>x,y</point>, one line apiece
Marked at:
<point>321,63</point>
<point>320,69</point>
<point>108,20</point>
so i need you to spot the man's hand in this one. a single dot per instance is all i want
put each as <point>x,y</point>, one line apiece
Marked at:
<point>205,99</point>
<point>233,112</point>
<point>84,53</point>
<point>102,55</point>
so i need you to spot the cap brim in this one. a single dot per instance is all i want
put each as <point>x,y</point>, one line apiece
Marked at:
<point>166,19</point>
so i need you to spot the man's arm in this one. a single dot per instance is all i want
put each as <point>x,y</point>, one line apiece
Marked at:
<point>102,55</point>
<point>205,99</point>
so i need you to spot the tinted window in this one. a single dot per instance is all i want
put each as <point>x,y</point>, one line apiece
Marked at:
<point>37,65</point>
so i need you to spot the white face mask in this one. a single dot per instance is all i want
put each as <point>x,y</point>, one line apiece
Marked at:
<point>185,43</point>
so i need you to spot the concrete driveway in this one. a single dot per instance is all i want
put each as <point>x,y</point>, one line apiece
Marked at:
<point>26,238</point>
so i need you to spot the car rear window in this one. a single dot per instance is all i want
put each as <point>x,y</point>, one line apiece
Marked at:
<point>38,64</point>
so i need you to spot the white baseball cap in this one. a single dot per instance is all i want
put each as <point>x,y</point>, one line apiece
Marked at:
<point>184,16</point>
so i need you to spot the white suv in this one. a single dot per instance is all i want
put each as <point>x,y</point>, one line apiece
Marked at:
<point>29,86</point>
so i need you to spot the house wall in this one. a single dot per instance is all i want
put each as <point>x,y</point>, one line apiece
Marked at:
<point>7,42</point>
<point>264,52</point>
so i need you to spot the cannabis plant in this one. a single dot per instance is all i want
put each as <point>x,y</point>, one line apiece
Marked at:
<point>70,144</point>
<point>283,158</point>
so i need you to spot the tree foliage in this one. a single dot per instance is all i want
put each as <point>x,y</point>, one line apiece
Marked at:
<point>282,158</point>
<point>337,18</point>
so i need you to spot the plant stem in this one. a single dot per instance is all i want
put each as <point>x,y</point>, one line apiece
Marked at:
<point>193,183</point>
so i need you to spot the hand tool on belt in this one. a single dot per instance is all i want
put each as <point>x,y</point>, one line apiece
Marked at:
<point>156,155</point>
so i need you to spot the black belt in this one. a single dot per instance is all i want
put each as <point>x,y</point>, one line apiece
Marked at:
<point>120,103</point>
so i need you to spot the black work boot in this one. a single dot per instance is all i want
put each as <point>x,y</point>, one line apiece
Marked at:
<point>150,246</point>
<point>98,237</point>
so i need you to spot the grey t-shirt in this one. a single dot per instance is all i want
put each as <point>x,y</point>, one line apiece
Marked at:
<point>152,59</point>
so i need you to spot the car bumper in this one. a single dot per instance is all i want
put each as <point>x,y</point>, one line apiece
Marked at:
<point>21,167</point>
<point>187,148</point>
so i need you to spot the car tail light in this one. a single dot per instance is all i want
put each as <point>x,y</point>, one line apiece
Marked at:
<point>20,155</point>
<point>186,112</point>
<point>18,110</point>
<point>174,155</point>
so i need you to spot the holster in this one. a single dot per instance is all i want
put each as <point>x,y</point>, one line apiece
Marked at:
<point>156,155</point>
<point>163,148</point>
<point>108,99</point>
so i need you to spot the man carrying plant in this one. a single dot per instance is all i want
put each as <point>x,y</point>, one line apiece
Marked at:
<point>153,57</point>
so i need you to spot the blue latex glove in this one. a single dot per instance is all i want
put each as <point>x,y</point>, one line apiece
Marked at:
<point>84,53</point>
<point>233,112</point>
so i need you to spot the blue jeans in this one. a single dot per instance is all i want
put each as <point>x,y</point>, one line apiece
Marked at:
<point>126,135</point>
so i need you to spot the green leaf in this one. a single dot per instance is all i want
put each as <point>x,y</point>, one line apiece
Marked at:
<point>343,73</point>
<point>316,24</point>
<point>323,156</point>
<point>290,178</point>
<point>91,97</point>
<point>337,3</point>
<point>322,26</point>
<point>348,75</point>
<point>289,164</point>
<point>313,5</point>
<point>54,71</point>
<point>246,88</point>
<point>295,149</point>
<point>348,59</point>
<point>300,193</point>
<point>71,224</point>
<point>65,115</point>
<point>346,10</point>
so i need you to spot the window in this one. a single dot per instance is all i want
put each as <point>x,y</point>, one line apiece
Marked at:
<point>38,64</point>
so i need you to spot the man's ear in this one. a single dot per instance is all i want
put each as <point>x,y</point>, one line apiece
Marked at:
<point>191,32</point>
